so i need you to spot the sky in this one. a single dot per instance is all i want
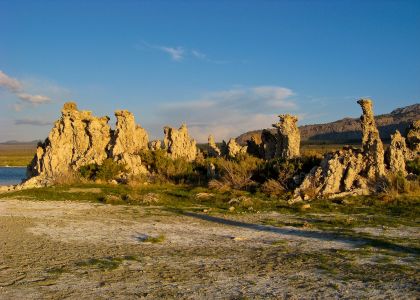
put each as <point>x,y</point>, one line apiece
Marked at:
<point>222,67</point>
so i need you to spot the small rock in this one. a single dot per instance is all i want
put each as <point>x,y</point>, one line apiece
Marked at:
<point>305,206</point>
<point>203,195</point>
<point>239,238</point>
<point>231,208</point>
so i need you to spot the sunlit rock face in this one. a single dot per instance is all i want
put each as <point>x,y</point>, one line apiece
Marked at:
<point>397,154</point>
<point>284,143</point>
<point>413,140</point>
<point>371,142</point>
<point>128,139</point>
<point>349,171</point>
<point>178,143</point>
<point>79,139</point>
<point>213,150</point>
<point>288,137</point>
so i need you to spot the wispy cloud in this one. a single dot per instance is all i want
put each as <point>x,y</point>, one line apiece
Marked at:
<point>9,83</point>
<point>228,113</point>
<point>176,53</point>
<point>198,54</point>
<point>17,88</point>
<point>34,99</point>
<point>179,53</point>
<point>32,122</point>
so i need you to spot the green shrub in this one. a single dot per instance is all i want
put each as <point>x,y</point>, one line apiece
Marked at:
<point>413,166</point>
<point>89,171</point>
<point>178,170</point>
<point>108,170</point>
<point>286,171</point>
<point>273,187</point>
<point>396,184</point>
<point>237,173</point>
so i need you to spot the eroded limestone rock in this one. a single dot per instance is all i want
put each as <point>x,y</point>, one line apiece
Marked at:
<point>371,142</point>
<point>232,148</point>
<point>77,139</point>
<point>254,147</point>
<point>288,137</point>
<point>269,144</point>
<point>178,143</point>
<point>155,145</point>
<point>397,153</point>
<point>284,143</point>
<point>413,140</point>
<point>349,171</point>
<point>213,150</point>
<point>338,173</point>
<point>128,140</point>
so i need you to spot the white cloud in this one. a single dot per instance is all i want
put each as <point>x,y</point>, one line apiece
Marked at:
<point>34,99</point>
<point>19,89</point>
<point>9,83</point>
<point>179,53</point>
<point>176,53</point>
<point>198,54</point>
<point>229,113</point>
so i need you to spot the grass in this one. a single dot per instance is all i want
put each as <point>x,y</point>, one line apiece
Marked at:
<point>346,213</point>
<point>104,264</point>
<point>16,155</point>
<point>154,239</point>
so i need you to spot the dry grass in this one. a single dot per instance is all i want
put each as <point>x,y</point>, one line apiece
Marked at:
<point>320,149</point>
<point>16,155</point>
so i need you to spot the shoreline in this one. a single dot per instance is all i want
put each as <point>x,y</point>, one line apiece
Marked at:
<point>12,166</point>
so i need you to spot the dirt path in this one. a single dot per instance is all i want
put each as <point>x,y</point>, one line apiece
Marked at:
<point>56,250</point>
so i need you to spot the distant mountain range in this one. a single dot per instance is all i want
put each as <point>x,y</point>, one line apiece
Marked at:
<point>14,142</point>
<point>348,130</point>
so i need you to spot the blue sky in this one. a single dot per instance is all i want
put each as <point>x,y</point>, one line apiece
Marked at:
<point>223,67</point>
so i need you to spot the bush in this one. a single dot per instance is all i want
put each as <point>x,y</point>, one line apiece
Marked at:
<point>237,173</point>
<point>413,166</point>
<point>67,178</point>
<point>287,173</point>
<point>273,188</point>
<point>397,184</point>
<point>178,170</point>
<point>108,170</point>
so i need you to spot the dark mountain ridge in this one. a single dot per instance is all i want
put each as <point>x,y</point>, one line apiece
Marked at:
<point>348,130</point>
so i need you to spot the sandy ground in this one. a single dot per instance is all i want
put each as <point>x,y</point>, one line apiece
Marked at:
<point>74,250</point>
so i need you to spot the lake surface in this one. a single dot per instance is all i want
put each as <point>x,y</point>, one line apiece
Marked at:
<point>9,176</point>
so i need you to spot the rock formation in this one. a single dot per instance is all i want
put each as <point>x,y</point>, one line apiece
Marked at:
<point>413,140</point>
<point>288,137</point>
<point>338,174</point>
<point>371,142</point>
<point>269,144</point>
<point>348,171</point>
<point>254,148</point>
<point>232,149</point>
<point>284,143</point>
<point>213,150</point>
<point>79,139</point>
<point>397,153</point>
<point>179,144</point>
<point>155,145</point>
<point>128,139</point>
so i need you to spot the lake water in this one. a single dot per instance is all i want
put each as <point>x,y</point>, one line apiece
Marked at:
<point>9,176</point>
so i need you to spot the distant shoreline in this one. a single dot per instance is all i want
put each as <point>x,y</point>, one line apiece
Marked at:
<point>12,166</point>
